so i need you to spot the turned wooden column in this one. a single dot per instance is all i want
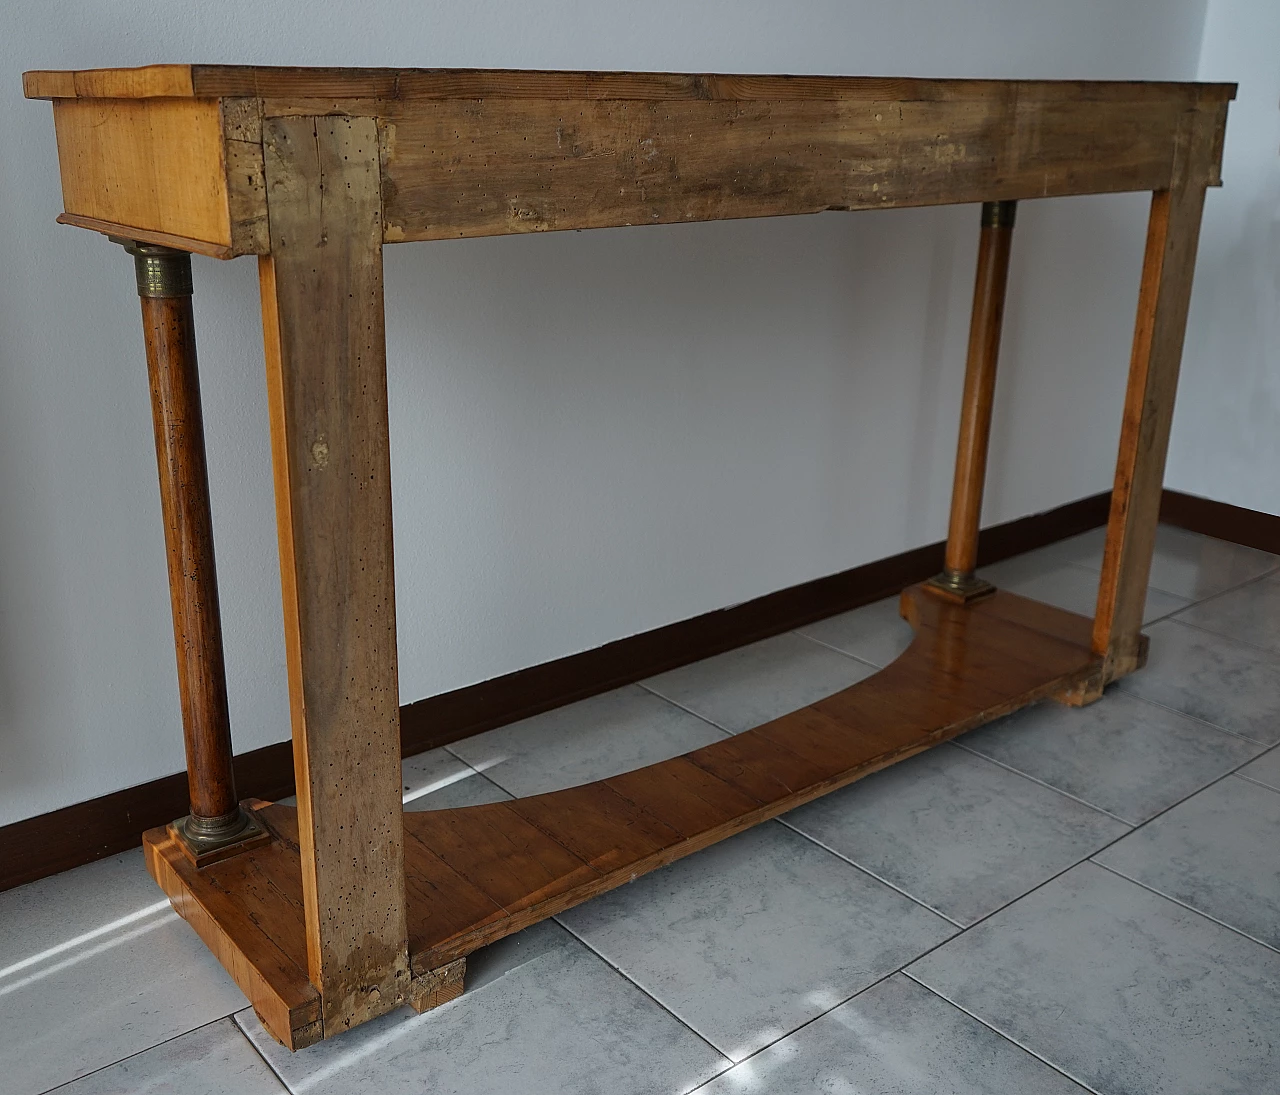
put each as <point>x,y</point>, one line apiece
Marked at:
<point>216,825</point>
<point>958,580</point>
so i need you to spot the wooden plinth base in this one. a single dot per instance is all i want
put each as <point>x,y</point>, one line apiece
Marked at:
<point>478,873</point>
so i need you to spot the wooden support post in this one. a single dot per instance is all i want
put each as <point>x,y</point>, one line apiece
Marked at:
<point>1173,233</point>
<point>958,581</point>
<point>216,827</point>
<point>327,389</point>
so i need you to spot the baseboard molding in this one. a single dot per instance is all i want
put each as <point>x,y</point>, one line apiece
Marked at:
<point>78,834</point>
<point>1241,526</point>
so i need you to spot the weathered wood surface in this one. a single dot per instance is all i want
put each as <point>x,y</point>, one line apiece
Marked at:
<point>476,152</point>
<point>1164,298</point>
<point>216,81</point>
<point>478,873</point>
<point>327,392</point>
<point>492,167</point>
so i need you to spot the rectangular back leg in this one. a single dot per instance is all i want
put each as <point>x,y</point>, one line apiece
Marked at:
<point>322,313</point>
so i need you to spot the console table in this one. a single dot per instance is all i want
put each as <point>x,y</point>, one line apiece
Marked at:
<point>344,907</point>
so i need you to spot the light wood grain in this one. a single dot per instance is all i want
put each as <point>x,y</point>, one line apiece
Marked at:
<point>326,373</point>
<point>1164,298</point>
<point>155,165</point>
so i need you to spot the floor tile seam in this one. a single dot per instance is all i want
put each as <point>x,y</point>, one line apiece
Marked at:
<point>614,967</point>
<point>869,873</point>
<point>839,650</point>
<point>147,1049</point>
<point>501,786</point>
<point>1048,786</point>
<point>843,653</point>
<point>1173,618</point>
<point>688,711</point>
<point>1269,573</point>
<point>1003,1035</point>
<point>1256,782</point>
<point>1191,601</point>
<point>1182,904</point>
<point>1266,745</point>
<point>284,1083</point>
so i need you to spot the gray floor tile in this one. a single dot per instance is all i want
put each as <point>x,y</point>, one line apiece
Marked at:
<point>1250,614</point>
<point>1184,563</point>
<point>876,633</point>
<point>958,833</point>
<point>1120,988</point>
<point>589,740</point>
<point>1228,683</point>
<point>761,682</point>
<point>437,780</point>
<point>214,1060</point>
<point>94,967</point>
<point>897,1038</point>
<point>1121,754</point>
<point>543,1016</point>
<point>752,937</point>
<point>1265,770</point>
<point>1218,852</point>
<point>1068,586</point>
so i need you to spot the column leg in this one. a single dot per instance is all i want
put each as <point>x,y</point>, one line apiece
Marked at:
<point>1164,298</point>
<point>958,581</point>
<point>216,826</point>
<point>327,389</point>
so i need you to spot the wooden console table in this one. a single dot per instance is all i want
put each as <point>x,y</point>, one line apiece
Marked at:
<point>345,907</point>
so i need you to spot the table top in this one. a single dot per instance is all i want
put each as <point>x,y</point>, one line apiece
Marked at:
<point>246,81</point>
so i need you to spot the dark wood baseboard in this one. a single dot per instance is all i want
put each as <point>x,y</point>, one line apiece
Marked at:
<point>1241,526</point>
<point>78,834</point>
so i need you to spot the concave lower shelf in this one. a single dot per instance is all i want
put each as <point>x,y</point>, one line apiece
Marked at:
<point>478,873</point>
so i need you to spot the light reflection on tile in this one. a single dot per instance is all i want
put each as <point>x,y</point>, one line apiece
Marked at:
<point>897,1038</point>
<point>78,997</point>
<point>752,937</point>
<point>543,1016</point>
<point>876,633</point>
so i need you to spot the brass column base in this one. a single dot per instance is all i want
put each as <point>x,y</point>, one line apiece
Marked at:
<point>959,586</point>
<point>211,840</point>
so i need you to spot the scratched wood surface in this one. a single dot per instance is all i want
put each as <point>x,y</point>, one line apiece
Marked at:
<point>476,874</point>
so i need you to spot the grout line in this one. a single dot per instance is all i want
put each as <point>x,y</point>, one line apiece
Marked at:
<point>847,653</point>
<point>1182,904</point>
<point>1036,779</point>
<point>1256,782</point>
<point>1218,634</point>
<point>1002,1034</point>
<point>235,1018</point>
<point>632,981</point>
<point>1267,745</point>
<point>688,711</point>
<point>843,653</point>
<point>781,819</point>
<point>140,1052</point>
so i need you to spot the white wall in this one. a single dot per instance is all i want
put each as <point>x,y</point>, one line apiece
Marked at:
<point>593,433</point>
<point>1226,432</point>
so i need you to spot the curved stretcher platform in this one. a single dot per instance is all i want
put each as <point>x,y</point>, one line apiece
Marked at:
<point>478,873</point>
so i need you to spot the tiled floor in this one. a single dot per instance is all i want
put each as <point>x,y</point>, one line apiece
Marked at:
<point>1064,901</point>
